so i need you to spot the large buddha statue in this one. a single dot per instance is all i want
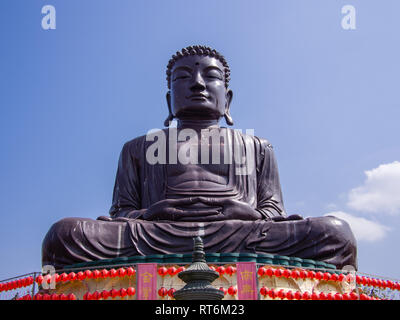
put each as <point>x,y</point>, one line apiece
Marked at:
<point>198,179</point>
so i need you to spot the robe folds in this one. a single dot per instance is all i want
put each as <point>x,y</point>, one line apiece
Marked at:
<point>140,184</point>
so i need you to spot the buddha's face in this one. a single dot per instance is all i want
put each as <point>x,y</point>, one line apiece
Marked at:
<point>198,88</point>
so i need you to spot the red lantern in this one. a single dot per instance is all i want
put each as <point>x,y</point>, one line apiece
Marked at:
<point>297,295</point>
<point>180,269</point>
<point>363,296</point>
<point>295,274</point>
<point>72,276</point>
<point>171,292</point>
<point>278,273</point>
<point>229,270</point>
<point>221,270</point>
<point>130,271</point>
<point>286,273</point>
<point>54,297</point>
<point>281,294</point>
<point>330,296</point>
<point>81,276</point>
<point>113,273</point>
<point>270,272</point>
<point>162,271</point>
<point>322,296</point>
<point>71,296</point>
<point>319,275</point>
<point>88,274</point>
<point>96,295</point>
<point>122,292</point>
<point>346,296</point>
<point>105,294</point>
<point>272,293</point>
<point>338,296</point>
<point>87,296</point>
<point>289,295</point>
<point>162,292</point>
<point>96,274</point>
<point>341,277</point>
<point>334,277</point>
<point>303,274</point>
<point>121,272</point>
<point>114,293</point>
<point>358,279</point>
<point>172,271</point>
<point>353,296</point>
<point>305,296</point>
<point>261,271</point>
<point>263,291</point>
<point>105,273</point>
<point>314,296</point>
<point>311,274</point>
<point>327,276</point>
<point>1,287</point>
<point>39,280</point>
<point>131,291</point>
<point>232,290</point>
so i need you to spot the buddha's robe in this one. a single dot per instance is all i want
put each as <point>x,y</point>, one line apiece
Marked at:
<point>139,184</point>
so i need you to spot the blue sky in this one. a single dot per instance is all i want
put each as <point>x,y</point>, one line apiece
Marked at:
<point>326,98</point>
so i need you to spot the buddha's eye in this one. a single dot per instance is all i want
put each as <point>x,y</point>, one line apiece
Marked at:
<point>181,75</point>
<point>213,74</point>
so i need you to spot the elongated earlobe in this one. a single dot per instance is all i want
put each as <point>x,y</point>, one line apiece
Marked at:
<point>228,119</point>
<point>168,120</point>
<point>170,115</point>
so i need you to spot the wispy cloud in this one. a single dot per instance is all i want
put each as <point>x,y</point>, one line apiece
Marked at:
<point>380,192</point>
<point>363,229</point>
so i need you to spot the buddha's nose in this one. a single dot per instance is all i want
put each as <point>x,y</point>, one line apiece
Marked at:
<point>198,83</point>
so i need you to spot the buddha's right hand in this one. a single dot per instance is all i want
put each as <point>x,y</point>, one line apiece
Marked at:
<point>173,209</point>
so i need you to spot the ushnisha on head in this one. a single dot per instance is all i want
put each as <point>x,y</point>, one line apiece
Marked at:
<point>198,79</point>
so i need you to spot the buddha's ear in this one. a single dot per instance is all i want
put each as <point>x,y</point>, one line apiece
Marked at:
<point>227,115</point>
<point>170,115</point>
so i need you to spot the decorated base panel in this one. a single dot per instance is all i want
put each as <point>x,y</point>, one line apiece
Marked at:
<point>238,281</point>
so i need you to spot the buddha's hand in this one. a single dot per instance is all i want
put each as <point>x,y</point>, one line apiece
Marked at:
<point>292,217</point>
<point>230,209</point>
<point>174,210</point>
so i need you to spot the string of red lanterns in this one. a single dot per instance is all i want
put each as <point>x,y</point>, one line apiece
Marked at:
<point>53,296</point>
<point>87,274</point>
<point>326,276</point>
<point>230,270</point>
<point>16,284</point>
<point>113,293</point>
<point>172,271</point>
<point>297,295</point>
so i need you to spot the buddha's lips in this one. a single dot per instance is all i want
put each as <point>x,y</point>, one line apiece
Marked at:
<point>198,96</point>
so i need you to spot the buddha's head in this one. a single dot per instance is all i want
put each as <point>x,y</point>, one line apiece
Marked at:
<point>198,78</point>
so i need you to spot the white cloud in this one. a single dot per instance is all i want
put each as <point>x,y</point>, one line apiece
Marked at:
<point>363,229</point>
<point>380,192</point>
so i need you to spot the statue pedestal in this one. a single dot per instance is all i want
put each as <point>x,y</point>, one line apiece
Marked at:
<point>238,280</point>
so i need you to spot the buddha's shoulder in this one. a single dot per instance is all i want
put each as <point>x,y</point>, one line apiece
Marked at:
<point>247,136</point>
<point>139,142</point>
